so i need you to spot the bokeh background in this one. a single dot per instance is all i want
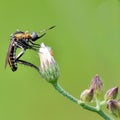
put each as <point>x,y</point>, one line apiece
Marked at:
<point>85,42</point>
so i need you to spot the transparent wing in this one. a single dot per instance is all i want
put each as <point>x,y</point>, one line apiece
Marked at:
<point>8,53</point>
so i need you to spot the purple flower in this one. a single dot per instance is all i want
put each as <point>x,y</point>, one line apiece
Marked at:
<point>87,95</point>
<point>96,84</point>
<point>111,93</point>
<point>114,107</point>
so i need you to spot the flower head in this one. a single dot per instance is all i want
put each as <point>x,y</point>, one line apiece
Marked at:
<point>114,107</point>
<point>87,95</point>
<point>96,85</point>
<point>111,93</point>
<point>48,67</point>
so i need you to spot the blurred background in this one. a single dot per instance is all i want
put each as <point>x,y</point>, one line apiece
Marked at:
<point>85,42</point>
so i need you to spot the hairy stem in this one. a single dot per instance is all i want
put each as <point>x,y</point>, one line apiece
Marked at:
<point>81,103</point>
<point>104,115</point>
<point>64,93</point>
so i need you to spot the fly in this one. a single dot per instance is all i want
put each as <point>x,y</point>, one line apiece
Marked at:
<point>24,41</point>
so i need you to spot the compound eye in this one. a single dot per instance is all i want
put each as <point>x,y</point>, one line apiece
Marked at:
<point>34,36</point>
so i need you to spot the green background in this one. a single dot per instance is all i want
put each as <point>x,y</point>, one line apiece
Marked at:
<point>86,41</point>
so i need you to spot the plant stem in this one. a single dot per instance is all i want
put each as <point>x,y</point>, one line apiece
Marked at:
<point>81,103</point>
<point>104,115</point>
<point>64,93</point>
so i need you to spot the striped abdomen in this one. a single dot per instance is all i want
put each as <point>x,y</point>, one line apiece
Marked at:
<point>12,58</point>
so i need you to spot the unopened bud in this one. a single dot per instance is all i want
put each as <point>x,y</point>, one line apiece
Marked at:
<point>87,95</point>
<point>49,69</point>
<point>114,107</point>
<point>111,93</point>
<point>96,85</point>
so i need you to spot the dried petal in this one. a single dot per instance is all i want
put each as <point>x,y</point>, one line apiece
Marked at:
<point>48,68</point>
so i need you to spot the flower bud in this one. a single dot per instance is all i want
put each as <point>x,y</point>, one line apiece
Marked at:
<point>48,67</point>
<point>111,93</point>
<point>96,85</point>
<point>87,95</point>
<point>114,107</point>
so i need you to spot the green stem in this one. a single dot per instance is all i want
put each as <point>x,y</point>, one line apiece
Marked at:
<point>95,109</point>
<point>104,115</point>
<point>98,106</point>
<point>81,103</point>
<point>99,110</point>
<point>64,93</point>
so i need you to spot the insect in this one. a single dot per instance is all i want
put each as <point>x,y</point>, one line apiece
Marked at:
<point>24,41</point>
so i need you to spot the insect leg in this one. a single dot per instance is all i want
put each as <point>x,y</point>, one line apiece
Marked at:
<point>21,53</point>
<point>24,45</point>
<point>34,44</point>
<point>28,64</point>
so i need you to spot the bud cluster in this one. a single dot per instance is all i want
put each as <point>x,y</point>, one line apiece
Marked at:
<point>96,87</point>
<point>95,90</point>
<point>113,105</point>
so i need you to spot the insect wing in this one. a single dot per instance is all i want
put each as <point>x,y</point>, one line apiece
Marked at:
<point>8,53</point>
